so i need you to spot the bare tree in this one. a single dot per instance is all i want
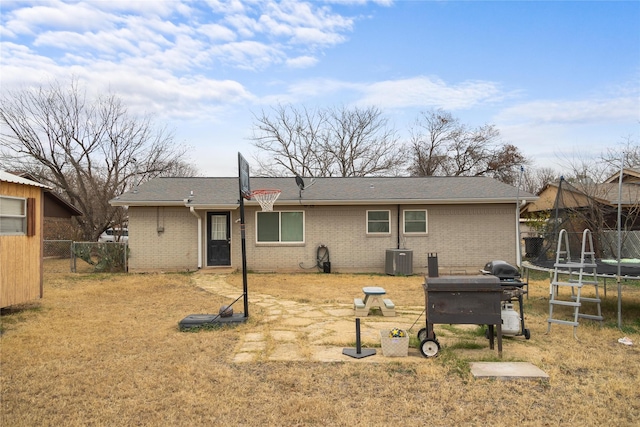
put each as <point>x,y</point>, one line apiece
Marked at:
<point>430,138</point>
<point>90,150</point>
<point>290,138</point>
<point>592,203</point>
<point>534,179</point>
<point>443,146</point>
<point>629,150</point>
<point>326,142</point>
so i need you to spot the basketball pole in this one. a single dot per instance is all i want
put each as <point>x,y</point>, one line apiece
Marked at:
<point>242,164</point>
<point>244,258</point>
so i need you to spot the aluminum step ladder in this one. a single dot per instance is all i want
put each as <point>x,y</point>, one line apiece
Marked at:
<point>579,274</point>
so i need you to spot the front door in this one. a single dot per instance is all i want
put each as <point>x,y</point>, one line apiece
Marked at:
<point>218,239</point>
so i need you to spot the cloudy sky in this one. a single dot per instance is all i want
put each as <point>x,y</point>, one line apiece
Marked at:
<point>557,78</point>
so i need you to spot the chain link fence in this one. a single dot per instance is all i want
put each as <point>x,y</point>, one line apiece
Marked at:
<point>76,257</point>
<point>57,248</point>
<point>57,256</point>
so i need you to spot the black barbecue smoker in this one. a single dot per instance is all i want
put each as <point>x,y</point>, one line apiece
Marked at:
<point>452,300</point>
<point>486,299</point>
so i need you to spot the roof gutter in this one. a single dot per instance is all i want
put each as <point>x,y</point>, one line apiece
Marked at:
<point>168,203</point>
<point>510,201</point>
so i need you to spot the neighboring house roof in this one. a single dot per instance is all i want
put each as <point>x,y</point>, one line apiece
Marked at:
<point>224,192</point>
<point>9,177</point>
<point>57,207</point>
<point>577,196</point>
<point>54,205</point>
<point>630,194</point>
<point>629,175</point>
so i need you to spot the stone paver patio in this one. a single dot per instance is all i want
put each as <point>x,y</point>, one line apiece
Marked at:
<point>295,331</point>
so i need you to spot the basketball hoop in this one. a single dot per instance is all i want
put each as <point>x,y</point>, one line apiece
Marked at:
<point>266,198</point>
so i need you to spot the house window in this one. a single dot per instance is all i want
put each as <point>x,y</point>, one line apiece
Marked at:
<point>218,227</point>
<point>415,222</point>
<point>13,215</point>
<point>280,227</point>
<point>378,222</point>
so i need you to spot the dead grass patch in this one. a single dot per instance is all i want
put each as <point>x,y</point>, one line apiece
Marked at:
<point>105,349</point>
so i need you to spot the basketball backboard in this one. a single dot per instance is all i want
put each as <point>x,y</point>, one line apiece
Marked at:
<point>243,172</point>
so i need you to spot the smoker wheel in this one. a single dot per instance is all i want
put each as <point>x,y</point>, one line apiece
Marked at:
<point>429,348</point>
<point>527,334</point>
<point>423,335</point>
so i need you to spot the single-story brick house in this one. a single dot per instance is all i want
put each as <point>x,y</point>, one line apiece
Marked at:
<point>184,224</point>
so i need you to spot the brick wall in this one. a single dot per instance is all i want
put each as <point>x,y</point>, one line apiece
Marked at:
<point>174,249</point>
<point>465,237</point>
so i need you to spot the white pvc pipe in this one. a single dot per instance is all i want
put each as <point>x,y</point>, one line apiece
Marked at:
<point>618,277</point>
<point>518,243</point>
<point>193,212</point>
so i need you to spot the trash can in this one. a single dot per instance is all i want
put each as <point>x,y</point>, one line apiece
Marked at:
<point>326,267</point>
<point>432,265</point>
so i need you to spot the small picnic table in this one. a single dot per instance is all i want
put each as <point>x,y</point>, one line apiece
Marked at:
<point>374,297</point>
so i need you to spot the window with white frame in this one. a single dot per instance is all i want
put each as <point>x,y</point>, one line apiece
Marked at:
<point>13,215</point>
<point>378,222</point>
<point>415,222</point>
<point>280,227</point>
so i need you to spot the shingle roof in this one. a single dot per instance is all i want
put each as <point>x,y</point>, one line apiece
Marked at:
<point>628,174</point>
<point>609,193</point>
<point>224,192</point>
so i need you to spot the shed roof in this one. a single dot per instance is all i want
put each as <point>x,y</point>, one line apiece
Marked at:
<point>9,177</point>
<point>224,192</point>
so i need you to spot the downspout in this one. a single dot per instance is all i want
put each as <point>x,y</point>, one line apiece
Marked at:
<point>193,212</point>
<point>398,244</point>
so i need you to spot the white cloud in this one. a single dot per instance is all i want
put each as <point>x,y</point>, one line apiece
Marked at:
<point>226,7</point>
<point>316,36</point>
<point>305,23</point>
<point>622,109</point>
<point>304,61</point>
<point>57,15</point>
<point>144,8</point>
<point>249,36</point>
<point>251,55</point>
<point>411,93</point>
<point>311,88</point>
<point>431,92</point>
<point>551,130</point>
<point>110,43</point>
<point>217,32</point>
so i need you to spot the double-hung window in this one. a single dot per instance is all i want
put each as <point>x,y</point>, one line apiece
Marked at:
<point>13,215</point>
<point>415,222</point>
<point>280,227</point>
<point>378,222</point>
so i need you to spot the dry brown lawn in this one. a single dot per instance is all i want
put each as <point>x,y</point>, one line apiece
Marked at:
<point>105,349</point>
